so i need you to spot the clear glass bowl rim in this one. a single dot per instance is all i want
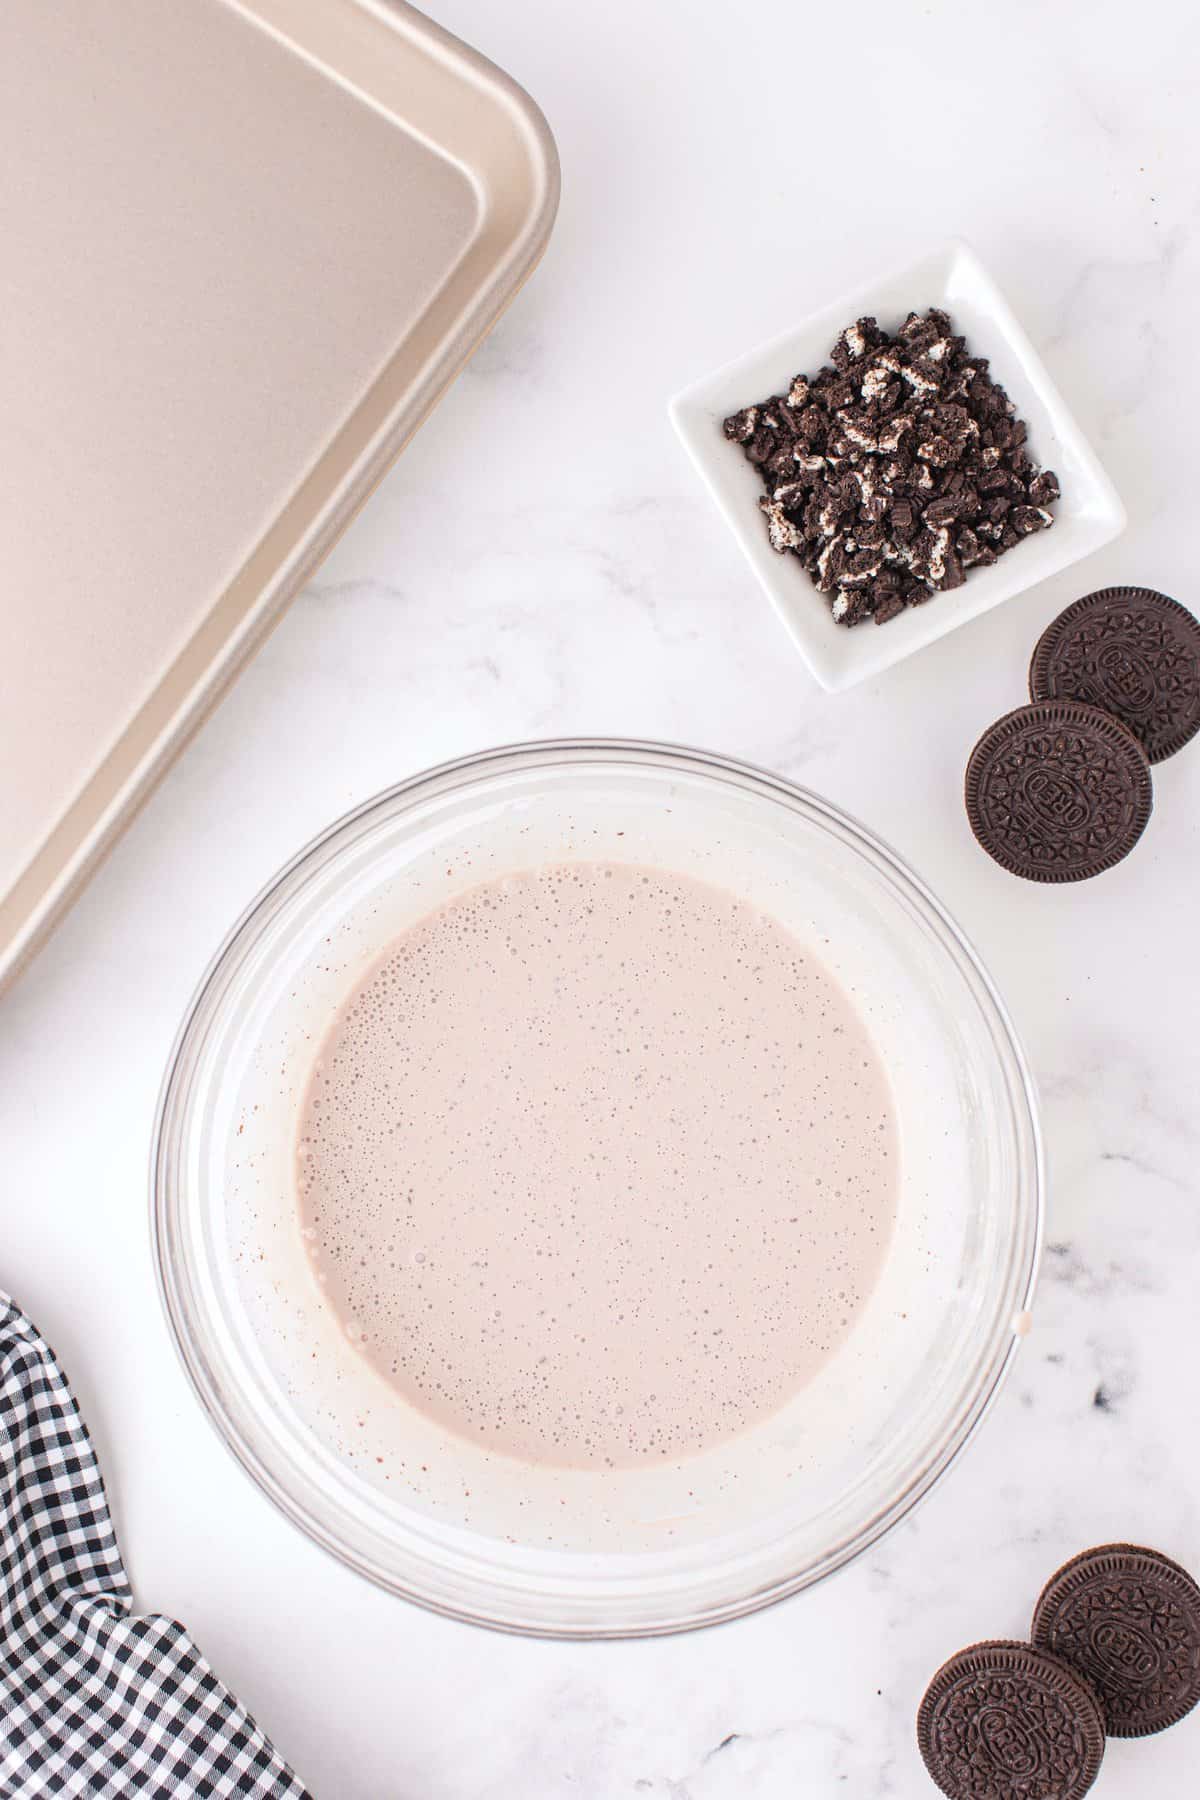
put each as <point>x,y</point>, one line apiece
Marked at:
<point>526,756</point>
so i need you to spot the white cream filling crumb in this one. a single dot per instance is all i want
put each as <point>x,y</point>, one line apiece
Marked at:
<point>889,437</point>
<point>875,382</point>
<point>858,436</point>
<point>782,533</point>
<point>823,561</point>
<point>937,556</point>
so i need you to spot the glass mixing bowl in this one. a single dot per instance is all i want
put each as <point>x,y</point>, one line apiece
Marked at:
<point>592,1553</point>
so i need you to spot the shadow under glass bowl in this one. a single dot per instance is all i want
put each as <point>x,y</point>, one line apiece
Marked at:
<point>596,1553</point>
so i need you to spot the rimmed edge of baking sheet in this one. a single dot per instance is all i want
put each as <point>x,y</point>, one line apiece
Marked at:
<point>439,89</point>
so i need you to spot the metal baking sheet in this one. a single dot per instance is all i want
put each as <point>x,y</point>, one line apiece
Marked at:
<point>244,246</point>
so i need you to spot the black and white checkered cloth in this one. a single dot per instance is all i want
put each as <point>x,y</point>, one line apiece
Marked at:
<point>95,1699</point>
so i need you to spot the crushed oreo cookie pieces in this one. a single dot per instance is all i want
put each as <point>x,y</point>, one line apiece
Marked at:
<point>895,470</point>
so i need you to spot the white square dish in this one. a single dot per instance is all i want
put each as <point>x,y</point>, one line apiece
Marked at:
<point>1088,515</point>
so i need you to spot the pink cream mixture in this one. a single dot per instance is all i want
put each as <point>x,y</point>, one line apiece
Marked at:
<point>597,1165</point>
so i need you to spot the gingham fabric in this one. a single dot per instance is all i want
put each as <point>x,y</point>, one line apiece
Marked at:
<point>94,1699</point>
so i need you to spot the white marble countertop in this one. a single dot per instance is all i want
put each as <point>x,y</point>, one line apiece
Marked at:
<point>543,562</point>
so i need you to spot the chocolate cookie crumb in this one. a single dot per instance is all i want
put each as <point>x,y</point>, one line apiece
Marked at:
<point>896,469</point>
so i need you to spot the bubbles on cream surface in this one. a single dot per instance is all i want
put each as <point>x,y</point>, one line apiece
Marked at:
<point>597,1165</point>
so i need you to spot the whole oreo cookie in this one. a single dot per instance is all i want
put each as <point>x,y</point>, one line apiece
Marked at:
<point>1134,653</point>
<point>1007,1722</point>
<point>1129,1620</point>
<point>1058,791</point>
